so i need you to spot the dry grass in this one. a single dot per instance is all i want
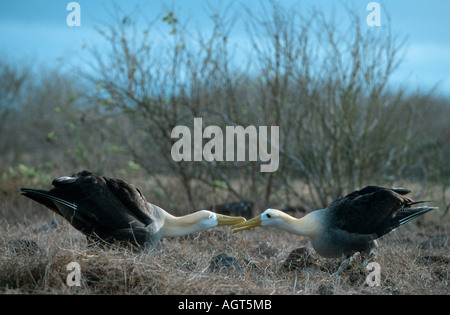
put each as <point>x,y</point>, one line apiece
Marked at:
<point>414,260</point>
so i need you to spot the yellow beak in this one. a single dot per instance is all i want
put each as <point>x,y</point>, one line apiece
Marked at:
<point>255,222</point>
<point>227,220</point>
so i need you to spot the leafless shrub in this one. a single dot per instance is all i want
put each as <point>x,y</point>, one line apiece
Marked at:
<point>325,85</point>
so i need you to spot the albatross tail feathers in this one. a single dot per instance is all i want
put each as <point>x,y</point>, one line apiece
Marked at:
<point>48,200</point>
<point>404,216</point>
<point>416,212</point>
<point>41,196</point>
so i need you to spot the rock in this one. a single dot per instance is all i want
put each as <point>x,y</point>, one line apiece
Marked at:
<point>264,249</point>
<point>23,246</point>
<point>438,259</point>
<point>301,258</point>
<point>324,289</point>
<point>49,226</point>
<point>224,262</point>
<point>436,243</point>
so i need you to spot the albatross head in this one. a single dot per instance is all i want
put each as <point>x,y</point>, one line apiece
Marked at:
<point>210,219</point>
<point>270,217</point>
<point>204,220</point>
<point>309,225</point>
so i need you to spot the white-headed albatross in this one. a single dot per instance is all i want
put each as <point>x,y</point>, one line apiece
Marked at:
<point>349,224</point>
<point>114,210</point>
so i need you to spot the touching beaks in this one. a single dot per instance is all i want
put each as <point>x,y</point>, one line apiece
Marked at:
<point>255,222</point>
<point>228,220</point>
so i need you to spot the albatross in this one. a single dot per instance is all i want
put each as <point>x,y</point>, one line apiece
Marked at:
<point>113,210</point>
<point>350,224</point>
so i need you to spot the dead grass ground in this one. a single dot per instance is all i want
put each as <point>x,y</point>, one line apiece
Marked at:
<point>414,259</point>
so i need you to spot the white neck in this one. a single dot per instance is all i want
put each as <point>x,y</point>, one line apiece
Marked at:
<point>178,226</point>
<point>308,225</point>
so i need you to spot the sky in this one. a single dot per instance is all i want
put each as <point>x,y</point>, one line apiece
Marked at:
<point>37,31</point>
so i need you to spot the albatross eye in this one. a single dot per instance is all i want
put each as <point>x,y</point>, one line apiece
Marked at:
<point>268,216</point>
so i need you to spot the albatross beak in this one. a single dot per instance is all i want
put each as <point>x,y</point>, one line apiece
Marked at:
<point>255,222</point>
<point>227,220</point>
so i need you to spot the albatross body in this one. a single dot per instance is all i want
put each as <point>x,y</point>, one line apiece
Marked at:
<point>114,210</point>
<point>349,224</point>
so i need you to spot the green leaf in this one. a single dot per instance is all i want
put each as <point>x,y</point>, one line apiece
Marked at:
<point>133,165</point>
<point>219,183</point>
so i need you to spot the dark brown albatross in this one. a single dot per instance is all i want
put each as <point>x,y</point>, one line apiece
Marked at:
<point>114,210</point>
<point>349,224</point>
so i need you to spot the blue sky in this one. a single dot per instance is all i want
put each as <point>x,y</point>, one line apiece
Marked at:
<point>37,32</point>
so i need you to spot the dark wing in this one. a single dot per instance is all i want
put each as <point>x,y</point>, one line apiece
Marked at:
<point>369,210</point>
<point>97,205</point>
<point>131,198</point>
